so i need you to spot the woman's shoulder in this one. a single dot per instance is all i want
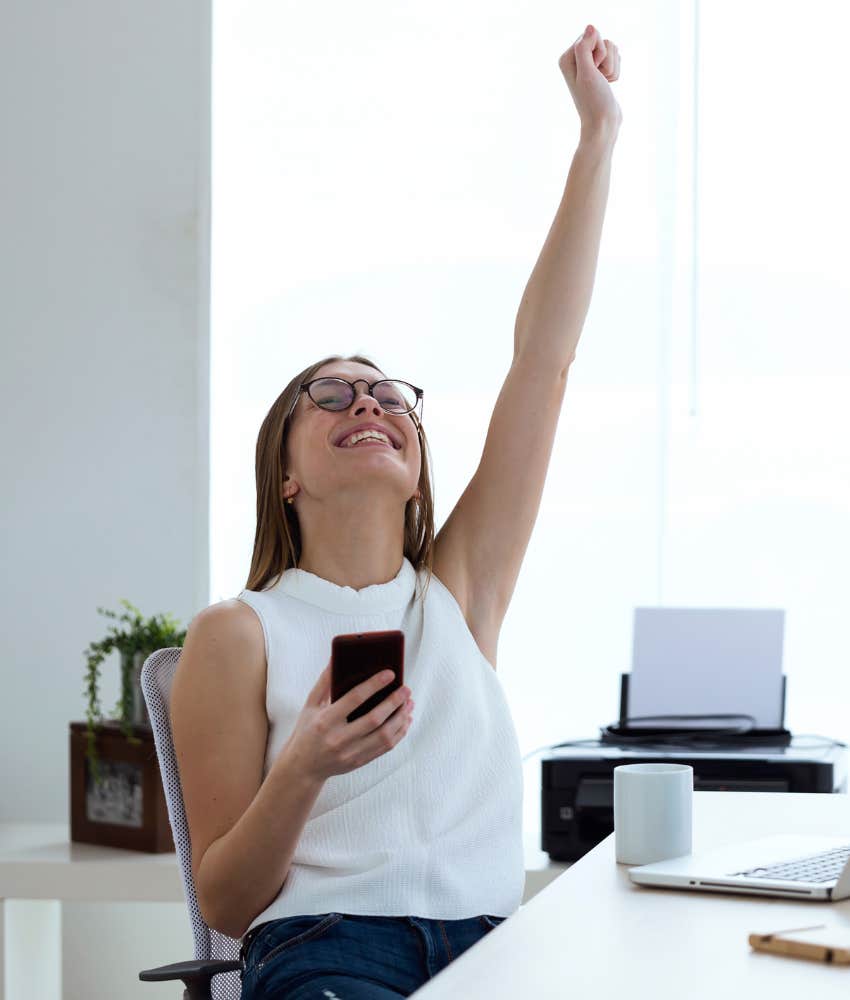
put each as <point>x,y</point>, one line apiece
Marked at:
<point>232,618</point>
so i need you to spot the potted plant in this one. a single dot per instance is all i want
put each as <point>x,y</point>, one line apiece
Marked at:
<point>135,641</point>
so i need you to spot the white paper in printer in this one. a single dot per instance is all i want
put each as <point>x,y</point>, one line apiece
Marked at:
<point>699,661</point>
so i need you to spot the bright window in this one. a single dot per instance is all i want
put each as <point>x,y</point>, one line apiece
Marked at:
<point>383,181</point>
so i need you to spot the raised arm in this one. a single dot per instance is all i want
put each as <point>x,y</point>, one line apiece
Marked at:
<point>480,548</point>
<point>556,299</point>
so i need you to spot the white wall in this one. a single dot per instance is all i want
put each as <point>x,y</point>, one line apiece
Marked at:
<point>104,257</point>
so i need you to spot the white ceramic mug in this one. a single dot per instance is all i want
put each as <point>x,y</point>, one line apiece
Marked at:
<point>653,806</point>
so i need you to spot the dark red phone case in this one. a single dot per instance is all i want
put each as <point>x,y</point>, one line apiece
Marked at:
<point>356,657</point>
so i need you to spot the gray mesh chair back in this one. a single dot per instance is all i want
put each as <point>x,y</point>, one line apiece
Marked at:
<point>210,945</point>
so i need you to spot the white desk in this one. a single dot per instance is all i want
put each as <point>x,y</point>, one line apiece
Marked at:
<point>39,862</point>
<point>593,933</point>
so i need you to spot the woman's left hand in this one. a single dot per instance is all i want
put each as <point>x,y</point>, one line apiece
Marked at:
<point>589,66</point>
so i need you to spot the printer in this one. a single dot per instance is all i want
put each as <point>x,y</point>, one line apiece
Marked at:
<point>577,785</point>
<point>688,660</point>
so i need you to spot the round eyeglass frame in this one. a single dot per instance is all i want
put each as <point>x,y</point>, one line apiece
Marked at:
<point>370,387</point>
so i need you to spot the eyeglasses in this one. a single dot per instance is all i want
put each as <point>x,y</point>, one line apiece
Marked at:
<point>338,394</point>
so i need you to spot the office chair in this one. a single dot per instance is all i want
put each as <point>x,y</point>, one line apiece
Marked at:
<point>216,954</point>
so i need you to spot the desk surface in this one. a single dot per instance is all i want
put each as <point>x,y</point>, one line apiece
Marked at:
<point>589,932</point>
<point>593,933</point>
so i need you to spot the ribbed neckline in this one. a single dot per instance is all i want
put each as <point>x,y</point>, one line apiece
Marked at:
<point>375,598</point>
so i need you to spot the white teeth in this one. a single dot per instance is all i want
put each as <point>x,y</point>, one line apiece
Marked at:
<point>349,442</point>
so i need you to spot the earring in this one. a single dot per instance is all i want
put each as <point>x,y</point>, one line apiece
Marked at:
<point>290,500</point>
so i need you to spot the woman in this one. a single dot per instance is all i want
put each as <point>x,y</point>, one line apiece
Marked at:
<point>357,859</point>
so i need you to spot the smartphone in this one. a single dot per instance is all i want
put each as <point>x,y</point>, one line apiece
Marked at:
<point>356,657</point>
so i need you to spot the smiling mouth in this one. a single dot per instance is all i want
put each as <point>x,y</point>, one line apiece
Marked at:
<point>366,443</point>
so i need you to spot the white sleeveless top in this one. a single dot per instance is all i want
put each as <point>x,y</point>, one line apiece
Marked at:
<point>432,827</point>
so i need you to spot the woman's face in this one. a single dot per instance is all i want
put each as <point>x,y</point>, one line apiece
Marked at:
<point>322,468</point>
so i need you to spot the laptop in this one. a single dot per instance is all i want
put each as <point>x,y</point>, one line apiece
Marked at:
<point>789,865</point>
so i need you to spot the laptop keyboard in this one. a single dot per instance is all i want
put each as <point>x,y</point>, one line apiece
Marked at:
<point>824,867</point>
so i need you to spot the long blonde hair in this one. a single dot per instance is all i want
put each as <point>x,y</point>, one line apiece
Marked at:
<point>277,540</point>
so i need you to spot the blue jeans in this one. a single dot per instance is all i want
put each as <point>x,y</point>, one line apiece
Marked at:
<point>342,956</point>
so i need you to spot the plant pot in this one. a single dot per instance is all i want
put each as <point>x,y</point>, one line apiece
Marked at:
<point>131,674</point>
<point>128,808</point>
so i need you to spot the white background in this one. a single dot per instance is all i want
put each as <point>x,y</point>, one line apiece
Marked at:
<point>383,181</point>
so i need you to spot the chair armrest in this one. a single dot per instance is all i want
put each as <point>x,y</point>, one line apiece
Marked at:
<point>196,975</point>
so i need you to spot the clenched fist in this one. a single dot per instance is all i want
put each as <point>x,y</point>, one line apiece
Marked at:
<point>589,66</point>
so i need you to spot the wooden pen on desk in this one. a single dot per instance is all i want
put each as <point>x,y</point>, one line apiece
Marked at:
<point>791,943</point>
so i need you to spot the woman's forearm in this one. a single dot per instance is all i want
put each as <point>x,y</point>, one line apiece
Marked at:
<point>557,296</point>
<point>243,871</point>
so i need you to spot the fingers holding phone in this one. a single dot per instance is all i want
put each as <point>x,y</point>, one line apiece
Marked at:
<point>329,744</point>
<point>382,726</point>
